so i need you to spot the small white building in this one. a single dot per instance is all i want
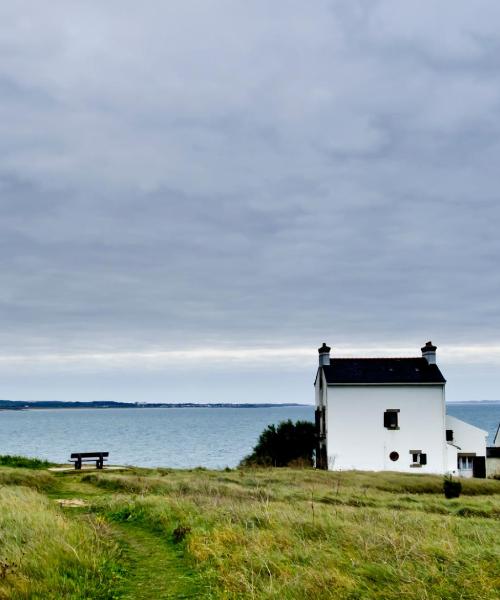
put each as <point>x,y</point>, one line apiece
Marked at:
<point>389,414</point>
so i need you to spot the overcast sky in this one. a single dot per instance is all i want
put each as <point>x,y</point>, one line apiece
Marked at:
<point>194,195</point>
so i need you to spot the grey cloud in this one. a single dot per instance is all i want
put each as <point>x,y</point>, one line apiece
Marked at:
<point>243,173</point>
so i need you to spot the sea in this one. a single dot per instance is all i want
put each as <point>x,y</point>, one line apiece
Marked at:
<point>168,437</point>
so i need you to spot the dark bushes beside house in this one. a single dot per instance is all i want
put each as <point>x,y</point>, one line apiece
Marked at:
<point>285,444</point>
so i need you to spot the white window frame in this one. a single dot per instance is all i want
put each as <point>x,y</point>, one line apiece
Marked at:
<point>465,463</point>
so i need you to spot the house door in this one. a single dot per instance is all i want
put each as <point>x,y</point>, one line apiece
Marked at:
<point>479,467</point>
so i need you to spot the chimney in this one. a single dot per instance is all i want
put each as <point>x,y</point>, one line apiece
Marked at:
<point>324,355</point>
<point>429,353</point>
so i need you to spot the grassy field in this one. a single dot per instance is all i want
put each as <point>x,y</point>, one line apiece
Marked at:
<point>262,534</point>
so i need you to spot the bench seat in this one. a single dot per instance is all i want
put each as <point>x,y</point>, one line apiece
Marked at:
<point>80,457</point>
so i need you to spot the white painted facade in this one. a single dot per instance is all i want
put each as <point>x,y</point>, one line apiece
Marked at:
<point>468,441</point>
<point>355,435</point>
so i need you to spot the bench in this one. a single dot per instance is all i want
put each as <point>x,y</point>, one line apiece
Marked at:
<point>80,457</point>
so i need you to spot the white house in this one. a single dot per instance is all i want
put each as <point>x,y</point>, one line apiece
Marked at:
<point>389,414</point>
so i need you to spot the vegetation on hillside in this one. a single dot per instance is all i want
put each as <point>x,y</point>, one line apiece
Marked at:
<point>283,445</point>
<point>8,460</point>
<point>284,534</point>
<point>47,554</point>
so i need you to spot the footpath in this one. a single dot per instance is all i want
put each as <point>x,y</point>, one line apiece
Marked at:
<point>154,565</point>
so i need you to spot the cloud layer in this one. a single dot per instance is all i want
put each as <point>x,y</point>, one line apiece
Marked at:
<point>227,174</point>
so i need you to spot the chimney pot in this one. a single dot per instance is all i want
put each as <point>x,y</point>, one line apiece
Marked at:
<point>324,355</point>
<point>429,353</point>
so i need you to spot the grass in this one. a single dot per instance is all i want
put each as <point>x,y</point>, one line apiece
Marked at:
<point>256,534</point>
<point>45,554</point>
<point>157,567</point>
<point>305,534</point>
<point>41,481</point>
<point>23,462</point>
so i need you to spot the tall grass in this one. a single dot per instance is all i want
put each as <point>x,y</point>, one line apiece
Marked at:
<point>46,555</point>
<point>38,480</point>
<point>295,534</point>
<point>261,534</point>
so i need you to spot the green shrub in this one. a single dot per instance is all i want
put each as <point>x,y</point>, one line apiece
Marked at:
<point>280,446</point>
<point>23,462</point>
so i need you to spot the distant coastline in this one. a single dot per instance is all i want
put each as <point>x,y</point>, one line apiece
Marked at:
<point>482,402</point>
<point>101,404</point>
<point>59,404</point>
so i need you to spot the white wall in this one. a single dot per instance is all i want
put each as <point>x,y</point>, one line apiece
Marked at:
<point>492,467</point>
<point>451,459</point>
<point>357,438</point>
<point>467,437</point>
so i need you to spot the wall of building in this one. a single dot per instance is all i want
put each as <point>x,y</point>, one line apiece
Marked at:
<point>467,437</point>
<point>321,402</point>
<point>492,467</point>
<point>452,459</point>
<point>357,438</point>
<point>493,463</point>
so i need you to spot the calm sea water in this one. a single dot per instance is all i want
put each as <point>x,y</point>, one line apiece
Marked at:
<point>173,437</point>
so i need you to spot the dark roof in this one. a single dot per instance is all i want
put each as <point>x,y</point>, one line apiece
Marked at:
<point>382,370</point>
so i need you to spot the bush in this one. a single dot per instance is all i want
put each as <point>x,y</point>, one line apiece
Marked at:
<point>23,462</point>
<point>282,445</point>
<point>451,488</point>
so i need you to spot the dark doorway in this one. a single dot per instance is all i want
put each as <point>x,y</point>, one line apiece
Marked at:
<point>479,467</point>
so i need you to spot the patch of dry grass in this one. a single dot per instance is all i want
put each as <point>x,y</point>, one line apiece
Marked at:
<point>295,534</point>
<point>38,480</point>
<point>43,554</point>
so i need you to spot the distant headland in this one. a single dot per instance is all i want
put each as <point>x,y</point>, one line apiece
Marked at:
<point>20,405</point>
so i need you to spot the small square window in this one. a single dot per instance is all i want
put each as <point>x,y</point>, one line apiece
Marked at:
<point>391,420</point>
<point>418,458</point>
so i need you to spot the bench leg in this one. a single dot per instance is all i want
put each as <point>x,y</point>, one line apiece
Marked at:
<point>98,463</point>
<point>78,464</point>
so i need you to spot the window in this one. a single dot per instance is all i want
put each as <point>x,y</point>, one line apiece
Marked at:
<point>465,463</point>
<point>391,418</point>
<point>394,456</point>
<point>418,458</point>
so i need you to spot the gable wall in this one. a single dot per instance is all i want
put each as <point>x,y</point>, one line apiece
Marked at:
<point>466,436</point>
<point>357,438</point>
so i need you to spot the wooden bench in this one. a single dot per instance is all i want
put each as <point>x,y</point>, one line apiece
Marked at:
<point>98,457</point>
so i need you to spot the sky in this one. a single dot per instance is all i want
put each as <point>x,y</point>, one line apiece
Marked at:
<point>194,195</point>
